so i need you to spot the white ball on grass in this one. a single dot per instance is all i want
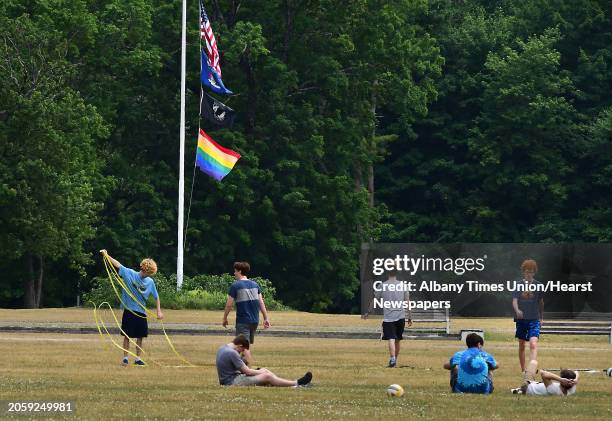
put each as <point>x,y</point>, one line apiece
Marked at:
<point>395,390</point>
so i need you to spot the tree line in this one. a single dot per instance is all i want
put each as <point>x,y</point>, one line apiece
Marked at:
<point>368,120</point>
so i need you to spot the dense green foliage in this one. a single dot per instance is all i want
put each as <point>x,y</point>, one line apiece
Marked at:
<point>398,120</point>
<point>204,292</point>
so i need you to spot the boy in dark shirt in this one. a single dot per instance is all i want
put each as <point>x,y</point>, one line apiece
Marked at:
<point>249,302</point>
<point>528,307</point>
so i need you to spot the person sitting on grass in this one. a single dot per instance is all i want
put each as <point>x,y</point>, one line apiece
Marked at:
<point>470,369</point>
<point>562,385</point>
<point>233,371</point>
<point>134,321</point>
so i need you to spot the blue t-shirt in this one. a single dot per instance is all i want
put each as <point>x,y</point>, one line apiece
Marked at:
<point>473,375</point>
<point>246,295</point>
<point>528,302</point>
<point>139,287</point>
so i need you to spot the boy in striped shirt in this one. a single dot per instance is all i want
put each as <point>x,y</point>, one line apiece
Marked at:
<point>249,302</point>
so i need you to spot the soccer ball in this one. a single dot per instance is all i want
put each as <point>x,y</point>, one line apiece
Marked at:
<point>395,390</point>
<point>609,372</point>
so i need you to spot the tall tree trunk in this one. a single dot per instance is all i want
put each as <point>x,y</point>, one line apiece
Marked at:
<point>29,285</point>
<point>371,184</point>
<point>373,150</point>
<point>251,94</point>
<point>234,14</point>
<point>288,31</point>
<point>357,175</point>
<point>218,13</point>
<point>41,267</point>
<point>32,286</point>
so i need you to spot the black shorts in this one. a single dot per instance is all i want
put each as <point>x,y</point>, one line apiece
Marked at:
<point>134,326</point>
<point>393,330</point>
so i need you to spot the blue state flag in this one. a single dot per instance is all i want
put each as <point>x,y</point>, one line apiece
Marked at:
<point>210,78</point>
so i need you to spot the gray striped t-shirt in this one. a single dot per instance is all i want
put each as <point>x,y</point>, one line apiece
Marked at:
<point>246,295</point>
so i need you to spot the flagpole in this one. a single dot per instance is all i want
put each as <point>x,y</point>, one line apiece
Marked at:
<point>181,199</point>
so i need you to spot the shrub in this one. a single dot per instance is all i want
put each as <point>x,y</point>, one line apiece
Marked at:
<point>200,292</point>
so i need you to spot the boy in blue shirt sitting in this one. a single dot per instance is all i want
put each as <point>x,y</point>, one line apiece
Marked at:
<point>471,368</point>
<point>134,320</point>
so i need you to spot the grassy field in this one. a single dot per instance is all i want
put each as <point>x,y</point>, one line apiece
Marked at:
<point>280,319</point>
<point>349,375</point>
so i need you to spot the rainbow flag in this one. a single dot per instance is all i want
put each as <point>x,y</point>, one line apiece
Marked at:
<point>214,159</point>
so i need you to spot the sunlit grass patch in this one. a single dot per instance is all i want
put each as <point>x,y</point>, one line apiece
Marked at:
<point>350,379</point>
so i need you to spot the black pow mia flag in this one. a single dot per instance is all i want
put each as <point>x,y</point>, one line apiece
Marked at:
<point>217,112</point>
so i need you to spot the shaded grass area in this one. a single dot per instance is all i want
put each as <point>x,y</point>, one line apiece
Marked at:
<point>349,379</point>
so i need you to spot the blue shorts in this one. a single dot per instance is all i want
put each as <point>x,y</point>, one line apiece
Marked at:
<point>526,329</point>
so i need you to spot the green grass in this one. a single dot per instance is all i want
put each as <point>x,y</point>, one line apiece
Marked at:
<point>349,377</point>
<point>280,319</point>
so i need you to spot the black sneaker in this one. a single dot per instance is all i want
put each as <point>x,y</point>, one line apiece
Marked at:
<point>303,381</point>
<point>139,362</point>
<point>125,362</point>
<point>392,362</point>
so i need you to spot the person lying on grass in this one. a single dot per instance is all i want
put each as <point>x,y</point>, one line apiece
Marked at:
<point>233,371</point>
<point>562,385</point>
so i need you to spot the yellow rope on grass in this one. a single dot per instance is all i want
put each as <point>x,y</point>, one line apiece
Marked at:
<point>121,282</point>
<point>100,322</point>
<point>114,276</point>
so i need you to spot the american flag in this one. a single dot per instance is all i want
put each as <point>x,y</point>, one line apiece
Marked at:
<point>211,43</point>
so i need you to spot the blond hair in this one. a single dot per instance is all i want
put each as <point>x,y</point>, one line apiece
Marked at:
<point>148,267</point>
